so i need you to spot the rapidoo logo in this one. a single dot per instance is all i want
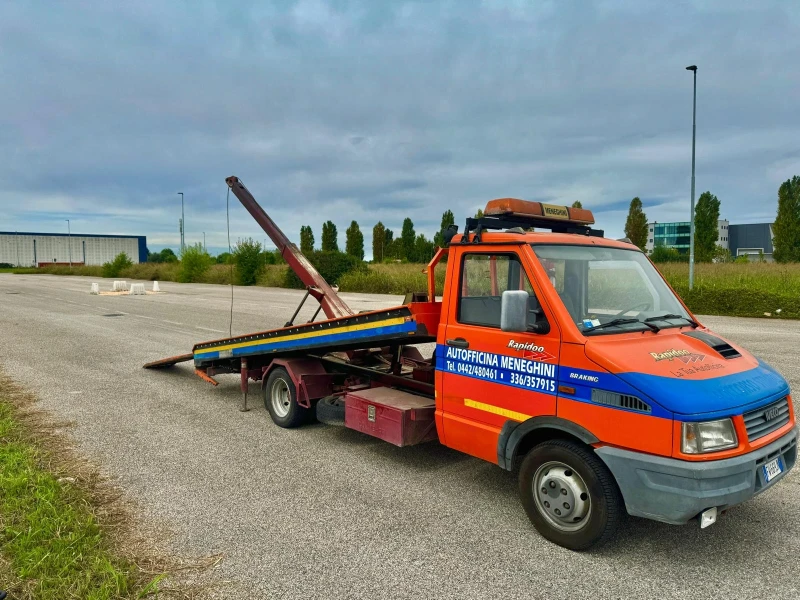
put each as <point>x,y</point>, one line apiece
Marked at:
<point>682,355</point>
<point>530,350</point>
<point>524,346</point>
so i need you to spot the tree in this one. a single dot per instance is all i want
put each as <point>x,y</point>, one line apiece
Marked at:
<point>330,242</point>
<point>223,258</point>
<point>378,242</point>
<point>354,241</point>
<point>165,256</point>
<point>408,237</point>
<point>447,220</point>
<point>423,249</point>
<point>248,260</point>
<point>306,240</point>
<point>786,230</point>
<point>479,214</point>
<point>577,204</point>
<point>389,238</point>
<point>394,250</point>
<point>195,261</point>
<point>636,224</point>
<point>706,228</point>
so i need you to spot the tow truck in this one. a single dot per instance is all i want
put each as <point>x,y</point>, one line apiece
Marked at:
<point>558,354</point>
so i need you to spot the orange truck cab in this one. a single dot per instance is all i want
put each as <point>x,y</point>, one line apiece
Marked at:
<point>558,353</point>
<point>568,356</point>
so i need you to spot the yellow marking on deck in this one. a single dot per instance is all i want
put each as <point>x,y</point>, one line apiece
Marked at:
<point>300,336</point>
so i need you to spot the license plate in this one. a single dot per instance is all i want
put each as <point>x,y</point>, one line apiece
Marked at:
<point>772,469</point>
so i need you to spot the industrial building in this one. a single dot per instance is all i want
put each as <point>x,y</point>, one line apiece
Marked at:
<point>752,239</point>
<point>23,249</point>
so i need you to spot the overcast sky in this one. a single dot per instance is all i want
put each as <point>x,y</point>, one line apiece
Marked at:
<point>373,110</point>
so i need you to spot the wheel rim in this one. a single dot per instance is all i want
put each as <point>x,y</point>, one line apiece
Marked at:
<point>280,398</point>
<point>562,496</point>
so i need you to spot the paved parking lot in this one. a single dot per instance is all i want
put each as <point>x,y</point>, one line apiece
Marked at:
<point>323,512</point>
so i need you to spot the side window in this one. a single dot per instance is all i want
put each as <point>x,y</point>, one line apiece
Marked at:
<point>484,278</point>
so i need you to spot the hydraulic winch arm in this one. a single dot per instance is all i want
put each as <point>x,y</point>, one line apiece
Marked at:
<point>329,300</point>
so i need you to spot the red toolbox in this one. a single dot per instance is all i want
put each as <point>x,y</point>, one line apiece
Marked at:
<point>395,416</point>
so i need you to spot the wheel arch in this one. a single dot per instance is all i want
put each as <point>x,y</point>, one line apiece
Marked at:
<point>517,439</point>
<point>311,380</point>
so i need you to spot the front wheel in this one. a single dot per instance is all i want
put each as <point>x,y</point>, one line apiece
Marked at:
<point>570,495</point>
<point>280,399</point>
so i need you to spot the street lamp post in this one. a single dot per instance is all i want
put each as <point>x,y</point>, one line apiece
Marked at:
<point>69,243</point>
<point>692,68</point>
<point>204,241</point>
<point>183,222</point>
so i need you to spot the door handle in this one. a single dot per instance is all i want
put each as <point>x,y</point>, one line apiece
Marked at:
<point>458,343</point>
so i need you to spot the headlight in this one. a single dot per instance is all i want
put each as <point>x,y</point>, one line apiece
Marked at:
<point>710,436</point>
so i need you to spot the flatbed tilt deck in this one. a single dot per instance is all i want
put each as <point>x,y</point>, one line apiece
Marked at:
<point>559,353</point>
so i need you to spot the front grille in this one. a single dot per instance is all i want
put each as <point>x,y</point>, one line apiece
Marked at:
<point>766,419</point>
<point>620,400</point>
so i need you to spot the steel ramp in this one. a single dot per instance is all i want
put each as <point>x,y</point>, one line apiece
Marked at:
<point>169,362</point>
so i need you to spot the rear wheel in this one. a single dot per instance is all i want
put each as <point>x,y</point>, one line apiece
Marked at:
<point>570,495</point>
<point>280,399</point>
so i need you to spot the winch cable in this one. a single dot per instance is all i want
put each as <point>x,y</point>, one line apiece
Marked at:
<point>230,256</point>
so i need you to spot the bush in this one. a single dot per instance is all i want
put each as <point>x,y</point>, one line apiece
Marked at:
<point>248,261</point>
<point>218,274</point>
<point>662,254</point>
<point>6,266</point>
<point>115,267</point>
<point>273,276</point>
<point>152,271</point>
<point>194,263</point>
<point>331,265</point>
<point>395,278</point>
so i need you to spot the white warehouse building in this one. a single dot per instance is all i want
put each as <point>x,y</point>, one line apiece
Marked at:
<point>21,249</point>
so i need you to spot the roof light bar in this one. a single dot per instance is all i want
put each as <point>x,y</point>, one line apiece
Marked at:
<point>538,210</point>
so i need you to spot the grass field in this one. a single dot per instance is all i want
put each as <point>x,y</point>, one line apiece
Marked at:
<point>744,290</point>
<point>56,517</point>
<point>734,289</point>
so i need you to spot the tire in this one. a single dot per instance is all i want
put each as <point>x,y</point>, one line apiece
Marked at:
<point>280,399</point>
<point>588,506</point>
<point>330,410</point>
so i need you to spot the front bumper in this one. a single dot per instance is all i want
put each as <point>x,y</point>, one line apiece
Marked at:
<point>675,491</point>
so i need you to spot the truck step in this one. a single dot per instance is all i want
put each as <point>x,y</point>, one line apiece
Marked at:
<point>392,415</point>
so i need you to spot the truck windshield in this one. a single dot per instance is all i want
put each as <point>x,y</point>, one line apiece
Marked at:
<point>610,290</point>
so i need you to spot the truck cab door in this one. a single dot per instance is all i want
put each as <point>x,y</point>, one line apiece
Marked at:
<point>489,376</point>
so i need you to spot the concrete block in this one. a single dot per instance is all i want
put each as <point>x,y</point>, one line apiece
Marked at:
<point>120,286</point>
<point>95,289</point>
<point>155,287</point>
<point>137,289</point>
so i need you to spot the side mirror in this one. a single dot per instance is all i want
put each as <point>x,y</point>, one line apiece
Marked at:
<point>514,311</point>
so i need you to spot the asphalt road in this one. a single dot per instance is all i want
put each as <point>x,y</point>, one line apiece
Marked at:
<point>324,512</point>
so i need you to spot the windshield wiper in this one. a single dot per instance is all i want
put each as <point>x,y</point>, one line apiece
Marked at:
<point>623,321</point>
<point>671,316</point>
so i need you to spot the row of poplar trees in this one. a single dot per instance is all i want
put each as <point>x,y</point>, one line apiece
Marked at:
<point>786,229</point>
<point>706,228</point>
<point>409,246</point>
<point>413,247</point>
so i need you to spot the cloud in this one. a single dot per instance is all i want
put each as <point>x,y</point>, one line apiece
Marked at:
<point>377,111</point>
